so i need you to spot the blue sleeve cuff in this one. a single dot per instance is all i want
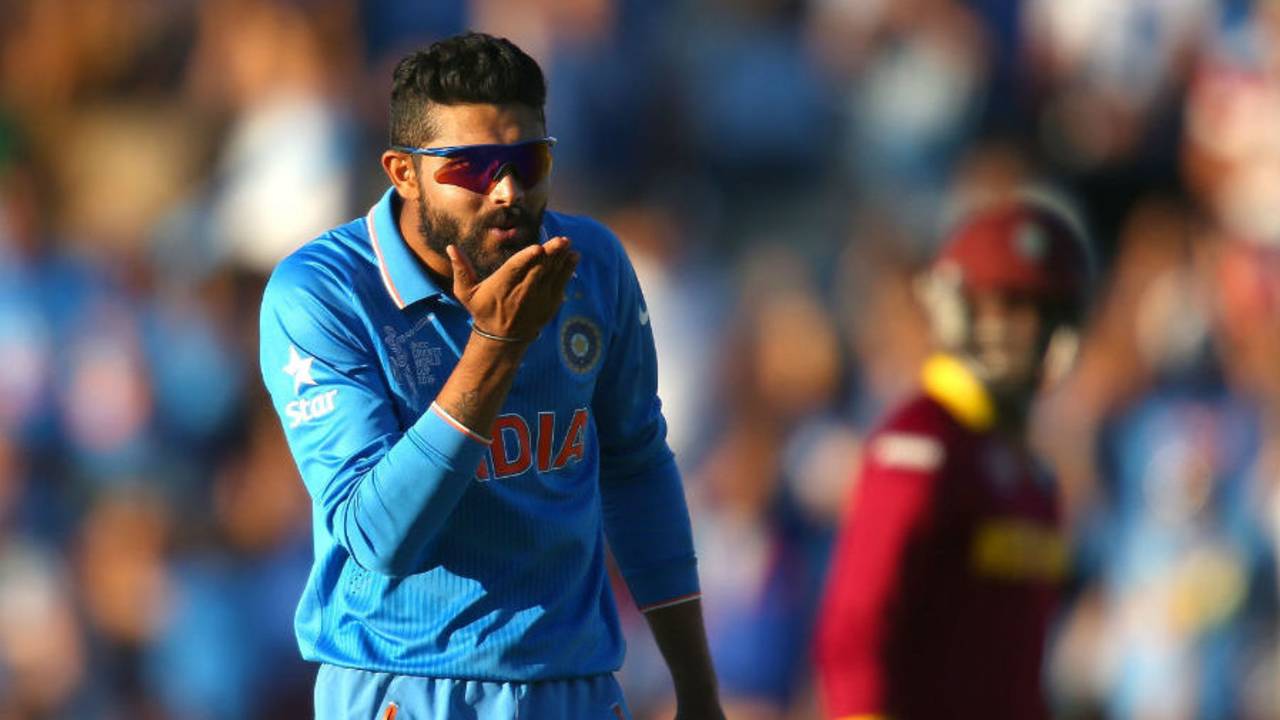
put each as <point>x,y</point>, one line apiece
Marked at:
<point>647,523</point>
<point>664,586</point>
<point>455,447</point>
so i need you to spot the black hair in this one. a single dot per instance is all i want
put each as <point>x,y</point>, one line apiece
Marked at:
<point>468,68</point>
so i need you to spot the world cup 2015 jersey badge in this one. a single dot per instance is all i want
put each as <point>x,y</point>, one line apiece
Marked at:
<point>580,344</point>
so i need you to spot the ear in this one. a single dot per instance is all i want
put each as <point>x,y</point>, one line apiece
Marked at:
<point>401,170</point>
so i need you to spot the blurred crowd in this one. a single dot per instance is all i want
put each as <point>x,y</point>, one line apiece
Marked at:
<point>779,171</point>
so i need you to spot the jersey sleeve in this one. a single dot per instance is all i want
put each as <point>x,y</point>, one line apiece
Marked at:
<point>380,492</point>
<point>897,483</point>
<point>645,514</point>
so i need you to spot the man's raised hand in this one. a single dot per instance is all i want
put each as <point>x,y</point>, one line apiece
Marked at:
<point>522,295</point>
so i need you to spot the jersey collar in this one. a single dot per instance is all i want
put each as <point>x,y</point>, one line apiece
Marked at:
<point>953,385</point>
<point>402,272</point>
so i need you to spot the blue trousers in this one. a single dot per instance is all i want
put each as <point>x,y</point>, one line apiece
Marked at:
<point>347,694</point>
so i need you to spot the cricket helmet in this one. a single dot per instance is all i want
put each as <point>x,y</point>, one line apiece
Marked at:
<point>1027,246</point>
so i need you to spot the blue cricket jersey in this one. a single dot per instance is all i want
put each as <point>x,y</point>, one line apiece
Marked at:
<point>435,553</point>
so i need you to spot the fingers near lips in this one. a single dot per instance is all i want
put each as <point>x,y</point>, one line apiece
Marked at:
<point>526,257</point>
<point>463,273</point>
<point>565,271</point>
<point>559,258</point>
<point>541,270</point>
<point>556,244</point>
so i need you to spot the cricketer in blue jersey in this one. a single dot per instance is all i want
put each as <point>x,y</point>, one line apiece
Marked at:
<point>468,386</point>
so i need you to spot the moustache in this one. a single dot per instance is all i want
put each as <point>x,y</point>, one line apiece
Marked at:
<point>511,217</point>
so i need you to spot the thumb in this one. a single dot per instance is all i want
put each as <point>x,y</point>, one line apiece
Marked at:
<point>464,275</point>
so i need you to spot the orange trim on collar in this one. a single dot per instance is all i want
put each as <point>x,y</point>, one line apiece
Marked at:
<point>382,263</point>
<point>949,381</point>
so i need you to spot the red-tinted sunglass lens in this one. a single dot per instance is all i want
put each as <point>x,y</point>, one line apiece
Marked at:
<point>464,171</point>
<point>477,168</point>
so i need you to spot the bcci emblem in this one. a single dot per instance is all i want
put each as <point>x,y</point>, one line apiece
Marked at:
<point>580,344</point>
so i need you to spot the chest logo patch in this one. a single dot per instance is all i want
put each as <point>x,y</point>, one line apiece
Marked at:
<point>414,363</point>
<point>580,342</point>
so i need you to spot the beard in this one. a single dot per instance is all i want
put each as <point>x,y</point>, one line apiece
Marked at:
<point>441,230</point>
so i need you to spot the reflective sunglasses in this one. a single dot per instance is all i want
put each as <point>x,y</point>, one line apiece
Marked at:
<point>478,167</point>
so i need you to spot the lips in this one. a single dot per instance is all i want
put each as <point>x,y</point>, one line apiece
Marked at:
<point>505,234</point>
<point>510,228</point>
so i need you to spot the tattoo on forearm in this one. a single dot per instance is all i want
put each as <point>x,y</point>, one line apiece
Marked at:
<point>468,401</point>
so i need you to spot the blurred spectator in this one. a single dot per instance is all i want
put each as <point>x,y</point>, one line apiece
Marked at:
<point>389,27</point>
<point>756,121</point>
<point>685,295</point>
<point>1232,153</point>
<point>1119,353</point>
<point>126,593</point>
<point>43,659</point>
<point>223,648</point>
<point>58,55</point>
<point>762,547</point>
<point>26,335</point>
<point>913,75</point>
<point>1107,70</point>
<point>1179,551</point>
<point>278,70</point>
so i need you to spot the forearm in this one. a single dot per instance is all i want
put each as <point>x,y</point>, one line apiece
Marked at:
<point>647,522</point>
<point>516,301</point>
<point>682,639</point>
<point>394,508</point>
<point>402,502</point>
<point>478,386</point>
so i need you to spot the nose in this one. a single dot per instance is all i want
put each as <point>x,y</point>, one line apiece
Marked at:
<point>507,189</point>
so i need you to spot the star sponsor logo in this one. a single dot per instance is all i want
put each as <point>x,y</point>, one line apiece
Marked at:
<point>299,368</point>
<point>306,409</point>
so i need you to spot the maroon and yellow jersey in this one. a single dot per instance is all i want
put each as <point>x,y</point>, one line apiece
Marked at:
<point>946,571</point>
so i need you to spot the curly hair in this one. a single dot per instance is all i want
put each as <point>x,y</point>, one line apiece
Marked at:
<point>468,68</point>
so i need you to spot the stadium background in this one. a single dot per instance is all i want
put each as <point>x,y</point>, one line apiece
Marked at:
<point>778,169</point>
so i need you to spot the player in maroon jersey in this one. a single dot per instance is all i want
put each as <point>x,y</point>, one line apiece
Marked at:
<point>947,566</point>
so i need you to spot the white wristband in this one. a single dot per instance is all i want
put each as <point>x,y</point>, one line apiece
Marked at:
<point>459,426</point>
